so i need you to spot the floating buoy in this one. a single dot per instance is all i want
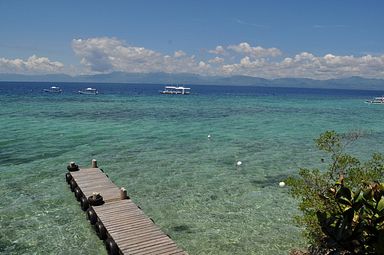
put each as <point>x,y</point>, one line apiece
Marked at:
<point>239,163</point>
<point>111,247</point>
<point>91,215</point>
<point>72,185</point>
<point>209,136</point>
<point>282,184</point>
<point>84,203</point>
<point>78,193</point>
<point>68,177</point>
<point>101,231</point>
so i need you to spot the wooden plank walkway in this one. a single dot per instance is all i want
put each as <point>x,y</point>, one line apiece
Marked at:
<point>124,226</point>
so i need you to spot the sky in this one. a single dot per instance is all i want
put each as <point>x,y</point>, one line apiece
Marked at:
<point>319,39</point>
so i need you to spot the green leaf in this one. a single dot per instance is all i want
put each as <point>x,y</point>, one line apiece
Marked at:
<point>344,201</point>
<point>380,204</point>
<point>368,194</point>
<point>369,205</point>
<point>378,194</point>
<point>344,192</point>
<point>357,196</point>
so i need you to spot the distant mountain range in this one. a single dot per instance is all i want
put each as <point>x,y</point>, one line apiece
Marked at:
<point>194,79</point>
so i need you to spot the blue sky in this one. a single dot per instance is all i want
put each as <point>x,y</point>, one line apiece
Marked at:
<point>271,39</point>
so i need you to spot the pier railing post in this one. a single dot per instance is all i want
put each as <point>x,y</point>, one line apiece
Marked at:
<point>123,193</point>
<point>94,163</point>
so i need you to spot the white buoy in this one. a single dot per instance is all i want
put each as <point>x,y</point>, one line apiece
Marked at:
<point>282,184</point>
<point>209,136</point>
<point>239,163</point>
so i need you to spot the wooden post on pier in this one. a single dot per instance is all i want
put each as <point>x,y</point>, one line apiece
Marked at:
<point>94,163</point>
<point>123,193</point>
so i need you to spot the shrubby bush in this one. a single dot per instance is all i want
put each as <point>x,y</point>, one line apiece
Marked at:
<point>342,205</point>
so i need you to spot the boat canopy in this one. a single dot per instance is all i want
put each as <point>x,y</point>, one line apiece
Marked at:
<point>175,87</point>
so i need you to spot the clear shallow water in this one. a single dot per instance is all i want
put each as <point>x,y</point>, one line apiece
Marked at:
<point>156,146</point>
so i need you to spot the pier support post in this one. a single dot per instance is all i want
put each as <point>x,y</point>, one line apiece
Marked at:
<point>123,193</point>
<point>94,163</point>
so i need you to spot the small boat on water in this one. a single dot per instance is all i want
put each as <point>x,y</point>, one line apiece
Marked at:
<point>89,91</point>
<point>176,90</point>
<point>376,100</point>
<point>53,89</point>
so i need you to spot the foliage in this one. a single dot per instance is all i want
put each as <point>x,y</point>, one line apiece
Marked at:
<point>342,205</point>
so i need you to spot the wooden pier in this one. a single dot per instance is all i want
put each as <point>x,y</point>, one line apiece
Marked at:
<point>117,220</point>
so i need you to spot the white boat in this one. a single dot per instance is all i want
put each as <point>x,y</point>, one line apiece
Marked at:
<point>376,100</point>
<point>53,89</point>
<point>176,90</point>
<point>89,91</point>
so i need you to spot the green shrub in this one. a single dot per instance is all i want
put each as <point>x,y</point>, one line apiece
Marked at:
<point>343,205</point>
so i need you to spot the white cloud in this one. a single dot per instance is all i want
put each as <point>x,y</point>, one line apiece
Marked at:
<point>246,67</point>
<point>110,54</point>
<point>256,52</point>
<point>33,65</point>
<point>219,50</point>
<point>331,66</point>
<point>105,54</point>
<point>309,66</point>
<point>216,60</point>
<point>203,65</point>
<point>179,53</point>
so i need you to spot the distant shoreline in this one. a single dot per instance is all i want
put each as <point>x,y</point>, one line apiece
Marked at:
<point>193,79</point>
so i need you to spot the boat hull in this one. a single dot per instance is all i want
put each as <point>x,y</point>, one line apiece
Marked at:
<point>175,90</point>
<point>376,100</point>
<point>173,93</point>
<point>87,93</point>
<point>52,91</point>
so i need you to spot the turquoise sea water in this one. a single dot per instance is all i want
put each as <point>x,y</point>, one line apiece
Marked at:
<point>156,146</point>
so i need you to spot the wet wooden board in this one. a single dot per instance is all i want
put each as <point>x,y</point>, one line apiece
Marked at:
<point>133,232</point>
<point>91,180</point>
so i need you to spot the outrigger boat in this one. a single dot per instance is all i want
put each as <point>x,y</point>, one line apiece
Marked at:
<point>176,90</point>
<point>376,100</point>
<point>53,89</point>
<point>89,91</point>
